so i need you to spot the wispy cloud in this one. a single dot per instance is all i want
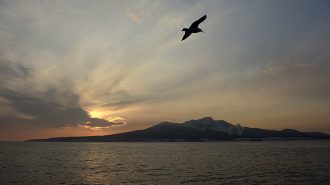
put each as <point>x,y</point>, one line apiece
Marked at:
<point>93,65</point>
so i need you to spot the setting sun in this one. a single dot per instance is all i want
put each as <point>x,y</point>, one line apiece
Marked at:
<point>105,115</point>
<point>164,92</point>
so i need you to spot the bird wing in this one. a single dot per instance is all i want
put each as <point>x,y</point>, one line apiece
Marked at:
<point>186,34</point>
<point>196,23</point>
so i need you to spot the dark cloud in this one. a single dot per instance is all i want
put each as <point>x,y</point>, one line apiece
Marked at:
<point>11,119</point>
<point>12,70</point>
<point>49,113</point>
<point>45,108</point>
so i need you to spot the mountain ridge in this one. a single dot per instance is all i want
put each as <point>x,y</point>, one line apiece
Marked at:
<point>204,129</point>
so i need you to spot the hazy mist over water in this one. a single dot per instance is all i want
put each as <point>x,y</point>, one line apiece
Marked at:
<point>295,162</point>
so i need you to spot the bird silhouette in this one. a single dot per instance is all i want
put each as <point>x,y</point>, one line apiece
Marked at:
<point>193,28</point>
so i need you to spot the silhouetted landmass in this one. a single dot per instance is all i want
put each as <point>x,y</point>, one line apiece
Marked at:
<point>205,129</point>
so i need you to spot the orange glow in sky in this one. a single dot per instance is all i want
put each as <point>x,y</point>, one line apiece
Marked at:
<point>106,115</point>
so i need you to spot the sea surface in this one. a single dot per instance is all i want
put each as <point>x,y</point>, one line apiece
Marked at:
<point>279,162</point>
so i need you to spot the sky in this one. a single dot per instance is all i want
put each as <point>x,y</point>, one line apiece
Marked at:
<point>76,68</point>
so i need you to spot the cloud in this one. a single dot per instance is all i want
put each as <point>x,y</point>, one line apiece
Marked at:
<point>298,79</point>
<point>11,72</point>
<point>110,63</point>
<point>45,112</point>
<point>43,109</point>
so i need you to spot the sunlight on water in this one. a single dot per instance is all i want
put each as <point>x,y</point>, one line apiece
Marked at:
<point>299,162</point>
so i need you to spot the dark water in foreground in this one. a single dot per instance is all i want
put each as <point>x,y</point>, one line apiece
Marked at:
<point>294,162</point>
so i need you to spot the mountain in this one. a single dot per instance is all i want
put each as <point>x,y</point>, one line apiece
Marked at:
<point>204,129</point>
<point>209,123</point>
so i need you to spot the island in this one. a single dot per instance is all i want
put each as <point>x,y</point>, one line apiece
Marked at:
<point>204,129</point>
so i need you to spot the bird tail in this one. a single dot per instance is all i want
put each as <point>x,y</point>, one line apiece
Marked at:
<point>184,29</point>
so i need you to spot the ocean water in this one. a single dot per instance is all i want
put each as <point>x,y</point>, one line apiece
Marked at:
<point>291,162</point>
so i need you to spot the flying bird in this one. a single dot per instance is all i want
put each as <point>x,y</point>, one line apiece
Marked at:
<point>193,28</point>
